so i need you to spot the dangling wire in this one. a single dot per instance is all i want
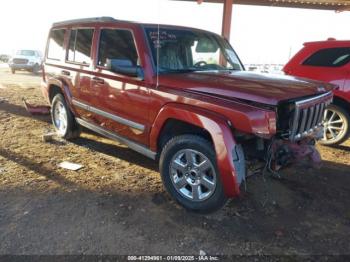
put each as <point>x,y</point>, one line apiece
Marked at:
<point>269,158</point>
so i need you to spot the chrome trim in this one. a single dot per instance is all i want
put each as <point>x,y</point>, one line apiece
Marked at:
<point>311,132</point>
<point>320,117</point>
<point>314,98</point>
<point>132,145</point>
<point>294,127</point>
<point>115,118</point>
<point>307,116</point>
<point>317,112</point>
<point>310,117</point>
<point>303,121</point>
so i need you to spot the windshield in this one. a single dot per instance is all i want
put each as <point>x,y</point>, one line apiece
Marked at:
<point>25,52</point>
<point>182,50</point>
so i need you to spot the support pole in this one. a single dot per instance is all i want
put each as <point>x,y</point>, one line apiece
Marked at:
<point>226,19</point>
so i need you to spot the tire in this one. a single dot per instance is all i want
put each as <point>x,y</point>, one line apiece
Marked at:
<point>13,71</point>
<point>175,168</point>
<point>336,123</point>
<point>63,119</point>
<point>36,69</point>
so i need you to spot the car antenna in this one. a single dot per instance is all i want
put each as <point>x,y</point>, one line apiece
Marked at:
<point>158,44</point>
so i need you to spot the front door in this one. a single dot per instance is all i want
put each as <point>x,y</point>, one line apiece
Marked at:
<point>123,101</point>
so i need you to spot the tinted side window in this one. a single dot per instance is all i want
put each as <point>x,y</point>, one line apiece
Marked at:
<point>56,41</point>
<point>80,43</point>
<point>330,57</point>
<point>116,44</point>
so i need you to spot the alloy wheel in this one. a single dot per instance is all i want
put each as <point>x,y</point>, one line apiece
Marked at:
<point>334,125</point>
<point>193,175</point>
<point>60,118</point>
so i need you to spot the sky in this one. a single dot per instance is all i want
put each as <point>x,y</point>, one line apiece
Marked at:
<point>259,34</point>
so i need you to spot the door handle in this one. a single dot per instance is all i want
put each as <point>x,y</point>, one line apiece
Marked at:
<point>98,80</point>
<point>65,72</point>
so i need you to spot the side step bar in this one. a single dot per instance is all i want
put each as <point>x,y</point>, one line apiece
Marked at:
<point>132,145</point>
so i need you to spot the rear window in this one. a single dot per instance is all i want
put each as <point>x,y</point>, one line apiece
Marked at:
<point>80,43</point>
<point>56,41</point>
<point>330,57</point>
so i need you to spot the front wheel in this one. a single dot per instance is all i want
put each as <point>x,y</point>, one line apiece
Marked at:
<point>63,119</point>
<point>13,71</point>
<point>336,125</point>
<point>190,174</point>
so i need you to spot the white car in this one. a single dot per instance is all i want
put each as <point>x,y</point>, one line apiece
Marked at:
<point>30,60</point>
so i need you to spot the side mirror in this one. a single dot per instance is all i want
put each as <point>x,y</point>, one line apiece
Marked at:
<point>124,67</point>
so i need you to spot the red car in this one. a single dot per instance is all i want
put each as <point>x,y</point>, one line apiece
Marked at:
<point>180,96</point>
<point>328,61</point>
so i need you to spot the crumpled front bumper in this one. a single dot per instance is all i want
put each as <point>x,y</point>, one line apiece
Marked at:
<point>302,153</point>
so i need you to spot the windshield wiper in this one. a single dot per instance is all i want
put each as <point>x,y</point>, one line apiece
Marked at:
<point>234,69</point>
<point>190,70</point>
<point>187,70</point>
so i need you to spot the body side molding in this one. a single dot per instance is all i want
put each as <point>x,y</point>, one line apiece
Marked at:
<point>133,145</point>
<point>115,118</point>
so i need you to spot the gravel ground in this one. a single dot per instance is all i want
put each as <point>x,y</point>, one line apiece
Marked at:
<point>116,203</point>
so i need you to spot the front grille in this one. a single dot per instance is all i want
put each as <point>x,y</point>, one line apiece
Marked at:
<point>20,61</point>
<point>308,116</point>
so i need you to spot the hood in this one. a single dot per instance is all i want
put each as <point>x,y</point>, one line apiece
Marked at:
<point>260,88</point>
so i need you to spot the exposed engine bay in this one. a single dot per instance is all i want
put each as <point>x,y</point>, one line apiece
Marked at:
<point>272,156</point>
<point>299,126</point>
<point>284,153</point>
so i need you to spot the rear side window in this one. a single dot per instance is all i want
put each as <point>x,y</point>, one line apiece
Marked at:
<point>56,41</point>
<point>116,44</point>
<point>80,43</point>
<point>330,57</point>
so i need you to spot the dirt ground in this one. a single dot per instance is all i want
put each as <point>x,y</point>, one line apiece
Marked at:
<point>116,204</point>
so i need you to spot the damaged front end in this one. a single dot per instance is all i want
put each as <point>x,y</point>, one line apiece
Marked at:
<point>299,126</point>
<point>285,153</point>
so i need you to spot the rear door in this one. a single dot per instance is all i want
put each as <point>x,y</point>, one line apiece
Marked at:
<point>123,101</point>
<point>79,68</point>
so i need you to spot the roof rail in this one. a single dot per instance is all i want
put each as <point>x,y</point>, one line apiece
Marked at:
<point>85,20</point>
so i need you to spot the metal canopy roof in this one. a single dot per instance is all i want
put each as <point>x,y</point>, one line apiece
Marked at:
<point>336,5</point>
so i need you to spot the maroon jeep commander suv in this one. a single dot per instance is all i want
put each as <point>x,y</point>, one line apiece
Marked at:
<point>180,96</point>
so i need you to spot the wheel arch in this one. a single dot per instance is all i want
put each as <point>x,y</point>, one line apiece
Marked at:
<point>176,127</point>
<point>207,124</point>
<point>56,86</point>
<point>191,120</point>
<point>54,90</point>
<point>339,101</point>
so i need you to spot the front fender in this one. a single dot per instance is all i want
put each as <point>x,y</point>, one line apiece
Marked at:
<point>220,132</point>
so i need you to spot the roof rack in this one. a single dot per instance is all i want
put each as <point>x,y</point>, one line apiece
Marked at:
<point>85,20</point>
